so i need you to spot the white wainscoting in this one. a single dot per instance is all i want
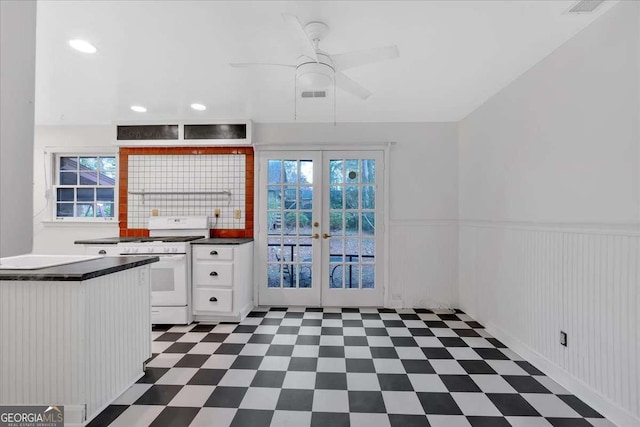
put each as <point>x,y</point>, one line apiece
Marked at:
<point>527,282</point>
<point>76,344</point>
<point>423,264</point>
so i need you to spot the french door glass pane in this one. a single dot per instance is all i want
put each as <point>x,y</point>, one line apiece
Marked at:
<point>352,223</point>
<point>290,222</point>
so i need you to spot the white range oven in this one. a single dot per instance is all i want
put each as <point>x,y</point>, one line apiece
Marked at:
<point>169,239</point>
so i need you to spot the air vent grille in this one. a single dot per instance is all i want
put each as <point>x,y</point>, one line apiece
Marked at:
<point>318,94</point>
<point>585,6</point>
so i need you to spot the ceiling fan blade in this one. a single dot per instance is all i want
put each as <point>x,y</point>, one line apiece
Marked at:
<point>300,35</point>
<point>258,64</point>
<point>344,61</point>
<point>348,85</point>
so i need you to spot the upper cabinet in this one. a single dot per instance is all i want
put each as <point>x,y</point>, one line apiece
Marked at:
<point>228,132</point>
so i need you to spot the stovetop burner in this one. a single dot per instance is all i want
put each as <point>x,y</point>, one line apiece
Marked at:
<point>168,239</point>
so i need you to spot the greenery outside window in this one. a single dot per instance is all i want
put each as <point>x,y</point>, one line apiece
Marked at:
<point>85,187</point>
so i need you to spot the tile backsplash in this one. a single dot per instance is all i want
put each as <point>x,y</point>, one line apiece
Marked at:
<point>191,183</point>
<point>187,181</point>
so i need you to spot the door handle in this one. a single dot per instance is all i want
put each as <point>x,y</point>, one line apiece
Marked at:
<point>213,273</point>
<point>315,236</point>
<point>325,235</point>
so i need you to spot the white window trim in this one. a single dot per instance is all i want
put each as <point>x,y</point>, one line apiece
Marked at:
<point>52,154</point>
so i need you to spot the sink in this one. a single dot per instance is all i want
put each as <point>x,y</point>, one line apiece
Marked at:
<point>33,261</point>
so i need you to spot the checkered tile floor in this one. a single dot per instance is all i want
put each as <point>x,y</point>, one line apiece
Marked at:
<point>339,367</point>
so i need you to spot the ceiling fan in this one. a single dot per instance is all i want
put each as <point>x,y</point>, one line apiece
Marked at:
<point>315,69</point>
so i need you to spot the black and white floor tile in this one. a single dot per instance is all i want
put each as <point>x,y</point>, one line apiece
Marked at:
<point>342,367</point>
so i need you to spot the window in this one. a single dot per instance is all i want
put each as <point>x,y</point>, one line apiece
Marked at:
<point>85,187</point>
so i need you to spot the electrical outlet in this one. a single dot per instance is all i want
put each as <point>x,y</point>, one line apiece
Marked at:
<point>216,212</point>
<point>237,214</point>
<point>563,338</point>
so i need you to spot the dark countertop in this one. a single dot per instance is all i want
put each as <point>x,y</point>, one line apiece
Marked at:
<point>223,241</point>
<point>78,271</point>
<point>212,241</point>
<point>106,241</point>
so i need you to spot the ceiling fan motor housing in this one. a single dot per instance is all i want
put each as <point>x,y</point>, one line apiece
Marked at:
<point>315,75</point>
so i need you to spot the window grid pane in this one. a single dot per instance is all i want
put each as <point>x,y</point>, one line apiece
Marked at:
<point>86,186</point>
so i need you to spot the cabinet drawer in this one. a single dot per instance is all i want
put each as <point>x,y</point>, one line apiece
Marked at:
<point>213,274</point>
<point>218,300</point>
<point>212,253</point>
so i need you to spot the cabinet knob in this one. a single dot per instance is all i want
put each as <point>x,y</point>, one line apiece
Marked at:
<point>102,252</point>
<point>213,273</point>
<point>213,299</point>
<point>213,253</point>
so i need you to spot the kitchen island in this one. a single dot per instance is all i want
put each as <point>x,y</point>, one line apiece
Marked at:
<point>75,335</point>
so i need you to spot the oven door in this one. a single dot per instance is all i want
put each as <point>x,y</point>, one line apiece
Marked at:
<point>169,279</point>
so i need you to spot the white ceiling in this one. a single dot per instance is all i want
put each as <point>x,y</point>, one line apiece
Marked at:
<point>165,55</point>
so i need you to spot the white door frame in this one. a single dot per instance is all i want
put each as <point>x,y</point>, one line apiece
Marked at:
<point>261,227</point>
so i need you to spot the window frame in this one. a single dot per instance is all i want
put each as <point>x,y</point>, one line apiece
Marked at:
<point>55,155</point>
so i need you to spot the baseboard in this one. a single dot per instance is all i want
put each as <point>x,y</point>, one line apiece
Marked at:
<point>103,407</point>
<point>394,303</point>
<point>246,310</point>
<point>591,397</point>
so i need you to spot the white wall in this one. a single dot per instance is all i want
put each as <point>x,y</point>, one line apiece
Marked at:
<point>550,214</point>
<point>56,238</point>
<point>17,85</point>
<point>422,196</point>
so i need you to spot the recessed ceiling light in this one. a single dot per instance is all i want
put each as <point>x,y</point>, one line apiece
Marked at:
<point>138,109</point>
<point>82,46</point>
<point>199,107</point>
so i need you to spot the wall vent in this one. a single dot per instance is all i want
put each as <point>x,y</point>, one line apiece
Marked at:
<point>585,6</point>
<point>318,94</point>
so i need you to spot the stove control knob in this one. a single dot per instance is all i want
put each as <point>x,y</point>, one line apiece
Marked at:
<point>134,250</point>
<point>174,250</point>
<point>150,250</point>
<point>167,250</point>
<point>126,250</point>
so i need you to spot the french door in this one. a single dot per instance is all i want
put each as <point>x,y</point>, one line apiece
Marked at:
<point>321,228</point>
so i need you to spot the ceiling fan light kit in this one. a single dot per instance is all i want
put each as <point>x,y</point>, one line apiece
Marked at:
<point>313,75</point>
<point>315,69</point>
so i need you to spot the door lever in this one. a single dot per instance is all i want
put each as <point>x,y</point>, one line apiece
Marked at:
<point>325,235</point>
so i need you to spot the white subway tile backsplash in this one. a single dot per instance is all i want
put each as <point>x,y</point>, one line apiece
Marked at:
<point>187,174</point>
